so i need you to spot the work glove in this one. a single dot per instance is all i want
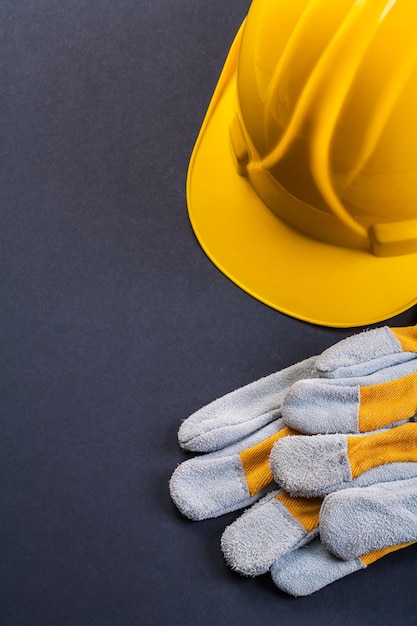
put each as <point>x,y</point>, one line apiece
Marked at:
<point>238,432</point>
<point>358,526</point>
<point>371,507</point>
<point>253,419</point>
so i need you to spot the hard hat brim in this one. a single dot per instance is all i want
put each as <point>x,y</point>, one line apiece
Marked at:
<point>294,274</point>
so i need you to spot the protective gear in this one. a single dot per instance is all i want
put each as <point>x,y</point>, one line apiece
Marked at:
<point>315,466</point>
<point>312,208</point>
<point>238,431</point>
<point>361,526</point>
<point>242,428</point>
<point>354,523</point>
<point>332,406</point>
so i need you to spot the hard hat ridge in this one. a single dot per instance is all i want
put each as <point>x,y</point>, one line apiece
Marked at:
<point>313,148</point>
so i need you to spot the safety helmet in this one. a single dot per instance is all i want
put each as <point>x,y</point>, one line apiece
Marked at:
<point>302,186</point>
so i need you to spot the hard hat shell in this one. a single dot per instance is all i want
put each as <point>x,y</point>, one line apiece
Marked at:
<point>302,186</point>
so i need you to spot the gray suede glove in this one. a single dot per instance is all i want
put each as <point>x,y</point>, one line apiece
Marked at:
<point>324,394</point>
<point>238,432</point>
<point>357,527</point>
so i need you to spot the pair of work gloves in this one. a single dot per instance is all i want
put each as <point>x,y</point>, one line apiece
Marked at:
<point>327,451</point>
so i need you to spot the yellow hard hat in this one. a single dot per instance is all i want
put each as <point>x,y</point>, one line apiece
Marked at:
<point>302,186</point>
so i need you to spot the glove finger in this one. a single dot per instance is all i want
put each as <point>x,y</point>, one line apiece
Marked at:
<point>313,567</point>
<point>309,569</point>
<point>317,465</point>
<point>241,412</point>
<point>353,405</point>
<point>368,352</point>
<point>218,483</point>
<point>367,519</point>
<point>272,527</point>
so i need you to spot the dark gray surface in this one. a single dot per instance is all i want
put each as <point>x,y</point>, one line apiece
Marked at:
<point>116,326</point>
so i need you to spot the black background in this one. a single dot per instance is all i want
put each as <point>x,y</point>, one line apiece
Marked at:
<point>116,326</point>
